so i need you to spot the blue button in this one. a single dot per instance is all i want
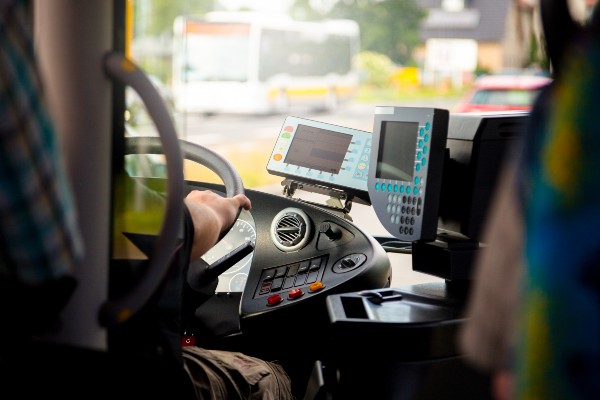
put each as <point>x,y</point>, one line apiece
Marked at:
<point>425,149</point>
<point>427,125</point>
<point>417,180</point>
<point>415,190</point>
<point>395,188</point>
<point>377,186</point>
<point>426,138</point>
<point>407,189</point>
<point>420,144</point>
<point>383,187</point>
<point>389,187</point>
<point>419,155</point>
<point>418,167</point>
<point>401,188</point>
<point>424,162</point>
<point>421,132</point>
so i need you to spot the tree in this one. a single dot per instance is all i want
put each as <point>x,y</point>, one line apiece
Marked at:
<point>158,15</point>
<point>390,27</point>
<point>153,28</point>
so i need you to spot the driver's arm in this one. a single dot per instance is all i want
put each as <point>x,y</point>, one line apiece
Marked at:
<point>211,214</point>
<point>139,209</point>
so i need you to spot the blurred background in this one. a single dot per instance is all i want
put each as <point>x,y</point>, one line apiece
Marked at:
<point>231,70</point>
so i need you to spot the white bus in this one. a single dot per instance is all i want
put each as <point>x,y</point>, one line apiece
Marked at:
<point>232,62</point>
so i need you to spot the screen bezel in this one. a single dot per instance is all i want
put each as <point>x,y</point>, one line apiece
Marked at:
<point>318,185</point>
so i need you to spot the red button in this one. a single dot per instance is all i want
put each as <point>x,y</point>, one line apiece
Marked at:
<point>188,340</point>
<point>295,293</point>
<point>274,299</point>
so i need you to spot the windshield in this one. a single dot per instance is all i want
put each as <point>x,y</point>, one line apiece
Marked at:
<point>410,53</point>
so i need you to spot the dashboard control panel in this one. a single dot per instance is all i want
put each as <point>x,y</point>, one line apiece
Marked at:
<point>406,171</point>
<point>322,154</point>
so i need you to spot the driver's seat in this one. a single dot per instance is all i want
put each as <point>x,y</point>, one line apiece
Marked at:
<point>144,359</point>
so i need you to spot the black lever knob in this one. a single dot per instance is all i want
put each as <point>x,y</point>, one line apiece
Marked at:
<point>331,231</point>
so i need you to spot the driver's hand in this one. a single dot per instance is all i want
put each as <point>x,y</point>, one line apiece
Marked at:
<point>212,214</point>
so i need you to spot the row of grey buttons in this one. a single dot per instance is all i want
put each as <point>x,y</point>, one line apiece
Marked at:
<point>288,276</point>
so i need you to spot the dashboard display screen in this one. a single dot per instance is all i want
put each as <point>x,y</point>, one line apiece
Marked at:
<point>397,148</point>
<point>318,149</point>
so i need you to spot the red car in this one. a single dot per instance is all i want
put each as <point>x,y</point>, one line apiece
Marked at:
<point>502,92</point>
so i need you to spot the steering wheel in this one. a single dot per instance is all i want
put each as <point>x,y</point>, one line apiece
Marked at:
<point>201,275</point>
<point>118,67</point>
<point>193,152</point>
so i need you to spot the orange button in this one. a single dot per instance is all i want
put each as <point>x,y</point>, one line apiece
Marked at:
<point>295,293</point>
<point>315,286</point>
<point>274,299</point>
<point>277,157</point>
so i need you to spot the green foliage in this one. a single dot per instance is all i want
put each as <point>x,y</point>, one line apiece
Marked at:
<point>158,15</point>
<point>428,94</point>
<point>375,68</point>
<point>537,54</point>
<point>302,10</point>
<point>481,70</point>
<point>154,19</point>
<point>389,27</point>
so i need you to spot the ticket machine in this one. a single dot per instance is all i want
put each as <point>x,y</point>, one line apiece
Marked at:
<point>429,171</point>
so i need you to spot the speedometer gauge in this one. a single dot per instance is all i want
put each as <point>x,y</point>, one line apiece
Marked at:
<point>234,279</point>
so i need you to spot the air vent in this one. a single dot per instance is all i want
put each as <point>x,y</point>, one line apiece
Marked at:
<point>290,229</point>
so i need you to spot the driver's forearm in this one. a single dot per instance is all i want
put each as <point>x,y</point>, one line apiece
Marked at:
<point>207,227</point>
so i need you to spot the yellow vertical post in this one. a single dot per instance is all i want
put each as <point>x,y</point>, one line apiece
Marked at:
<point>128,27</point>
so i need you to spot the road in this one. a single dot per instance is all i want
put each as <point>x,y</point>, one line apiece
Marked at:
<point>219,129</point>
